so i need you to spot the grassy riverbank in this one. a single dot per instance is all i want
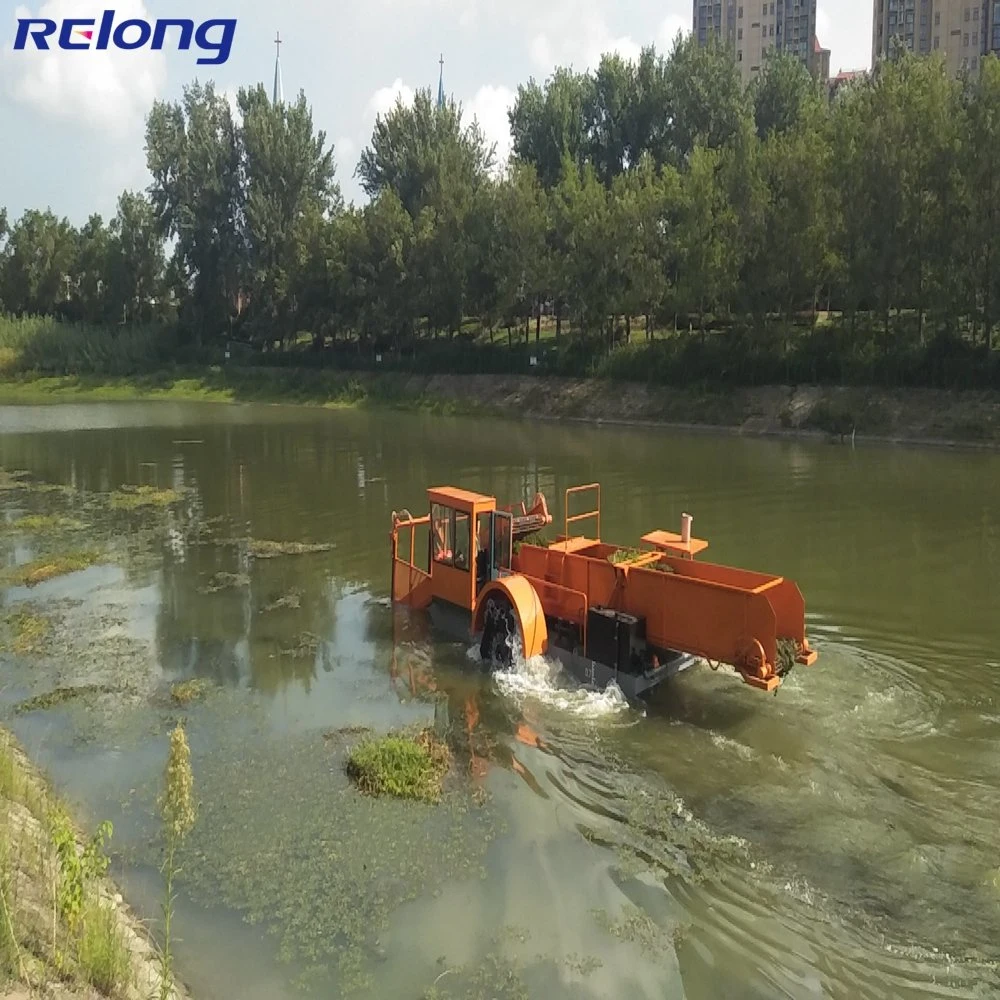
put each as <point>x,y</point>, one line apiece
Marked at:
<point>913,414</point>
<point>64,929</point>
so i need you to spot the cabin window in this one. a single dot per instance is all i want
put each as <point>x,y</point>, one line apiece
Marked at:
<point>450,537</point>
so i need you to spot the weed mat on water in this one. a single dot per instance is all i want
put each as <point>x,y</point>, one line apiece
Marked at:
<point>286,839</point>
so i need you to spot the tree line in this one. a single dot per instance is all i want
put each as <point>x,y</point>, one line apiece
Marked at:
<point>659,192</point>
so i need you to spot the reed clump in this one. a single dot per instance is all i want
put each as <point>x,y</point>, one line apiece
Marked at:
<point>178,814</point>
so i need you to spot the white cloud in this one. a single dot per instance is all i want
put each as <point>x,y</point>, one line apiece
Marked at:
<point>822,26</point>
<point>672,23</point>
<point>110,90</point>
<point>576,38</point>
<point>230,94</point>
<point>489,106</point>
<point>384,99</point>
<point>346,153</point>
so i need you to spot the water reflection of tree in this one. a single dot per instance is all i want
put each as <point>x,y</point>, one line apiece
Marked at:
<point>288,645</point>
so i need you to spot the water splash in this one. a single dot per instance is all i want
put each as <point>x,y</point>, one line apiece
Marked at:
<point>544,681</point>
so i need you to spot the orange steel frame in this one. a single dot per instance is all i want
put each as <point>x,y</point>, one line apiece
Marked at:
<point>721,613</point>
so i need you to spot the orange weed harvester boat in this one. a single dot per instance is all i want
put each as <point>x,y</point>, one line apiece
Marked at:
<point>636,616</point>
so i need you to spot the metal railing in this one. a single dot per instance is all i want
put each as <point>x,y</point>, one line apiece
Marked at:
<point>596,512</point>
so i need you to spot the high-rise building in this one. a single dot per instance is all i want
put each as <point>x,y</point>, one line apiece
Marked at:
<point>993,27</point>
<point>753,28</point>
<point>962,31</point>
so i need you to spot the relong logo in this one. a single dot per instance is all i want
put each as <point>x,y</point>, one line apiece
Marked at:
<point>75,33</point>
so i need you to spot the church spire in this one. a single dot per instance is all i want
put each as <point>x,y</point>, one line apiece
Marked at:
<point>279,93</point>
<point>440,103</point>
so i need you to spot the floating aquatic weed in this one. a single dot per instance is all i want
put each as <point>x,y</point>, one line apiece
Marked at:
<point>263,549</point>
<point>346,732</point>
<point>225,581</point>
<point>494,977</point>
<point>637,926</point>
<point>24,482</point>
<point>407,766</point>
<point>63,694</point>
<point>284,838</point>
<point>584,966</point>
<point>185,692</point>
<point>47,568</point>
<point>136,497</point>
<point>787,651</point>
<point>13,479</point>
<point>28,633</point>
<point>304,645</point>
<point>35,524</point>
<point>292,601</point>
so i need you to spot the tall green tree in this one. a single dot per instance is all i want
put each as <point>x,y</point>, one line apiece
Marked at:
<point>378,249</point>
<point>520,247</point>
<point>287,184</point>
<point>39,271</point>
<point>708,237</point>
<point>784,94</point>
<point>647,120</point>
<point>134,283</point>
<point>708,105</point>
<point>192,151</point>
<point>91,270</point>
<point>981,189</point>
<point>412,144</point>
<point>611,97</point>
<point>549,122</point>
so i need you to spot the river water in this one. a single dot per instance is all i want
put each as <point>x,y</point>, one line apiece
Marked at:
<point>838,839</point>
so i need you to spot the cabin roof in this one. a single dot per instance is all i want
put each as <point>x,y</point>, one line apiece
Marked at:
<point>456,497</point>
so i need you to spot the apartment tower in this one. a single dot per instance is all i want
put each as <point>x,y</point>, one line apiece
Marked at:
<point>962,31</point>
<point>752,28</point>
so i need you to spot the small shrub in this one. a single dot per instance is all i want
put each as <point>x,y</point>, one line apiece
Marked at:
<point>77,870</point>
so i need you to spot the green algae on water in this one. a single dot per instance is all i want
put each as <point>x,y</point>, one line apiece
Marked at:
<point>47,568</point>
<point>303,646</point>
<point>409,767</point>
<point>637,926</point>
<point>225,581</point>
<point>291,601</point>
<point>136,497</point>
<point>38,524</point>
<point>63,694</point>
<point>284,838</point>
<point>28,632</point>
<point>263,549</point>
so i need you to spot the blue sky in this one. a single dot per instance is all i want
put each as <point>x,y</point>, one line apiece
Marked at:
<point>72,122</point>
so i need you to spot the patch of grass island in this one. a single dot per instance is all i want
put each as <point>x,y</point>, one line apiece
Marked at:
<point>402,764</point>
